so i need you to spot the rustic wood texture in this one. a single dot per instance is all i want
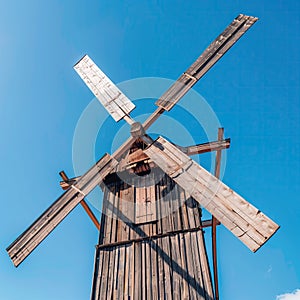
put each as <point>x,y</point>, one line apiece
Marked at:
<point>113,100</point>
<point>42,227</point>
<point>205,61</point>
<point>162,267</point>
<point>245,221</point>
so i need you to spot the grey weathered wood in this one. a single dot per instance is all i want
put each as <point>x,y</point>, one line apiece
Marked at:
<point>245,221</point>
<point>40,229</point>
<point>156,270</point>
<point>114,101</point>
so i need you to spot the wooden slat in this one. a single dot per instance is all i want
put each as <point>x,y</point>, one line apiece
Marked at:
<point>205,61</point>
<point>251,226</point>
<point>41,228</point>
<point>113,100</point>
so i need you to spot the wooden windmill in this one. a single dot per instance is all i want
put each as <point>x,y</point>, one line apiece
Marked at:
<point>151,243</point>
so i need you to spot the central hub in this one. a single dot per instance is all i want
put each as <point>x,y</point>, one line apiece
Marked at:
<point>137,130</point>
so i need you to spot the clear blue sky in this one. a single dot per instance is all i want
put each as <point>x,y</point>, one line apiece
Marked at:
<point>254,90</point>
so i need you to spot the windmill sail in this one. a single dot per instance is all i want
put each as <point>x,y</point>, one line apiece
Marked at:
<point>42,227</point>
<point>205,61</point>
<point>245,221</point>
<point>113,100</point>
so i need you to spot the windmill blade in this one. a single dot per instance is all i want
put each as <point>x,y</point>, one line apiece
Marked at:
<point>113,100</point>
<point>245,221</point>
<point>205,61</point>
<point>42,227</point>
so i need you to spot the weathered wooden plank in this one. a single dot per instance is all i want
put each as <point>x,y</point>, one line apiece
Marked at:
<point>161,275</point>
<point>167,268</point>
<point>127,272</point>
<point>205,61</point>
<point>41,228</point>
<point>190,267</point>
<point>175,270</point>
<point>113,100</point>
<point>121,273</point>
<point>200,285</point>
<point>207,281</point>
<point>154,269</point>
<point>137,272</point>
<point>226,205</point>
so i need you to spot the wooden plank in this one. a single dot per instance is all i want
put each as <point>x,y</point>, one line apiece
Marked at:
<point>121,274</point>
<point>184,264</point>
<point>127,272</point>
<point>137,272</point>
<point>227,206</point>
<point>175,273</point>
<point>200,286</point>
<point>143,271</point>
<point>113,100</point>
<point>42,227</point>
<point>154,269</point>
<point>205,61</point>
<point>207,282</point>
<point>148,270</point>
<point>132,286</point>
<point>161,272</point>
<point>141,209</point>
<point>190,266</point>
<point>167,268</point>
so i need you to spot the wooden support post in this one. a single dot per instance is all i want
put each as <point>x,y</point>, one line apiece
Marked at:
<point>215,221</point>
<point>83,203</point>
<point>90,213</point>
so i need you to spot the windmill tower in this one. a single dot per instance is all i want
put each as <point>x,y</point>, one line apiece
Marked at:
<point>151,243</point>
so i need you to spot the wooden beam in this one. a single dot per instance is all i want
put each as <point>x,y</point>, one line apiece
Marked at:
<point>206,223</point>
<point>44,225</point>
<point>215,221</point>
<point>83,203</point>
<point>139,155</point>
<point>90,213</point>
<point>205,147</point>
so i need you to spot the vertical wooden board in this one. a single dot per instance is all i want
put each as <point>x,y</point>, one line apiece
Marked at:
<point>127,266</point>
<point>167,267</point>
<point>200,287</point>
<point>106,273</point>
<point>115,280</point>
<point>154,270</point>
<point>160,253</point>
<point>141,208</point>
<point>207,281</point>
<point>151,203</point>
<point>132,285</point>
<point>184,214</point>
<point>98,267</point>
<point>175,267</point>
<point>190,265</point>
<point>137,271</point>
<point>121,273</point>
<point>111,272</point>
<point>184,264</point>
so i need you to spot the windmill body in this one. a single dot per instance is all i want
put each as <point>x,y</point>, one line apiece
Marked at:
<point>151,243</point>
